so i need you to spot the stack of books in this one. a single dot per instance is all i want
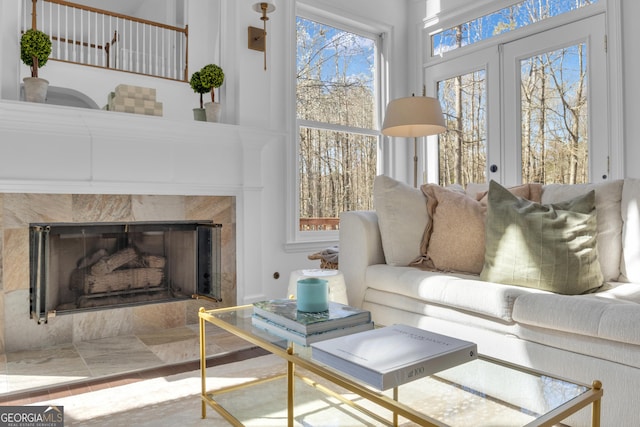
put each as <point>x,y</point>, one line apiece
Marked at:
<point>394,355</point>
<point>282,318</point>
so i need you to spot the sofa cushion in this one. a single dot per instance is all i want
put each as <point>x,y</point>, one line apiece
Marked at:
<point>608,208</point>
<point>402,217</point>
<point>599,315</point>
<point>454,237</point>
<point>630,209</point>
<point>550,247</point>
<point>464,292</point>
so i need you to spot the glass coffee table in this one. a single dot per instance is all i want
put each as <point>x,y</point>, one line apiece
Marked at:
<point>484,392</point>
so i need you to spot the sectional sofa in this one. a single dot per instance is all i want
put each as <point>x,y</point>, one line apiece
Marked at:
<point>434,262</point>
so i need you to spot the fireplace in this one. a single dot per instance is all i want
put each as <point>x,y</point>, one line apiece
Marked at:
<point>88,266</point>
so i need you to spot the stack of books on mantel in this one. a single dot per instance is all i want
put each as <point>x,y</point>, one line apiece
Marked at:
<point>282,318</point>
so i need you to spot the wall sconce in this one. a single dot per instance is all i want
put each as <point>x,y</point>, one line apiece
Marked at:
<point>258,36</point>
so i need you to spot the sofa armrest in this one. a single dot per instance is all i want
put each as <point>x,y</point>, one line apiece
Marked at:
<point>360,247</point>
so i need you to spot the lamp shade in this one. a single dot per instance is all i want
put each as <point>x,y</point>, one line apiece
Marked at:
<point>413,116</point>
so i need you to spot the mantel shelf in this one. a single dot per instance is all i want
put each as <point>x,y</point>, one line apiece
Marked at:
<point>42,145</point>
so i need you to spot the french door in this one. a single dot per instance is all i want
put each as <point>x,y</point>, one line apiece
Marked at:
<point>533,109</point>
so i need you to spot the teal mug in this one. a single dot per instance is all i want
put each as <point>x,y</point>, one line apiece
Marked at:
<point>312,295</point>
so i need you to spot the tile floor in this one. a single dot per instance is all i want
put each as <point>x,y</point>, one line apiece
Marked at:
<point>29,376</point>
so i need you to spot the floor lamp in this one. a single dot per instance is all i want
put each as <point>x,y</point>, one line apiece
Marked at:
<point>414,116</point>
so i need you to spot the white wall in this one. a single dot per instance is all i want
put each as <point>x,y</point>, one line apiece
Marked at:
<point>253,99</point>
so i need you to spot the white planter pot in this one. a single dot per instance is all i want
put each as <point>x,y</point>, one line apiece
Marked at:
<point>35,89</point>
<point>214,110</point>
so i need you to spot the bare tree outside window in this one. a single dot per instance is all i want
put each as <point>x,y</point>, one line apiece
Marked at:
<point>553,103</point>
<point>553,93</point>
<point>463,152</point>
<point>336,111</point>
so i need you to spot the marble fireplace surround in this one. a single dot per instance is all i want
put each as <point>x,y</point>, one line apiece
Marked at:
<point>78,165</point>
<point>20,209</point>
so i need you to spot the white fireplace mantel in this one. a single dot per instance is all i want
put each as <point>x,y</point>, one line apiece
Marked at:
<point>53,149</point>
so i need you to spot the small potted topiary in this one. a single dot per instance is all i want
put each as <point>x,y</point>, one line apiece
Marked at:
<point>199,114</point>
<point>212,77</point>
<point>35,48</point>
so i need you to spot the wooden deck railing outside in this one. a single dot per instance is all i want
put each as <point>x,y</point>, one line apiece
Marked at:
<point>100,38</point>
<point>319,224</point>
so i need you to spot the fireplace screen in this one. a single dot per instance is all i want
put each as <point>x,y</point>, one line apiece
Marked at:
<point>103,265</point>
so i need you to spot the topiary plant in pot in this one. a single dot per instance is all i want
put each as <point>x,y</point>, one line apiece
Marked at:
<point>197,86</point>
<point>212,77</point>
<point>35,48</point>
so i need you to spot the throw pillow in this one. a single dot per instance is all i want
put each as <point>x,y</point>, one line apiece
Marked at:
<point>531,192</point>
<point>453,238</point>
<point>550,247</point>
<point>630,259</point>
<point>402,218</point>
<point>609,213</point>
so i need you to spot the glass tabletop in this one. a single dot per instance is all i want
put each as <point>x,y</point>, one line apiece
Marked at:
<point>483,392</point>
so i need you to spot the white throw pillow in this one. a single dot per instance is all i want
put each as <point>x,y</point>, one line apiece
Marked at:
<point>608,198</point>
<point>402,218</point>
<point>630,262</point>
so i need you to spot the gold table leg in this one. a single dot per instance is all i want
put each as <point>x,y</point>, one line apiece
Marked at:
<point>203,364</point>
<point>596,406</point>
<point>290,390</point>
<point>395,414</point>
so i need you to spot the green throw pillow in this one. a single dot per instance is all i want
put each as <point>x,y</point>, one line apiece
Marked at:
<point>549,247</point>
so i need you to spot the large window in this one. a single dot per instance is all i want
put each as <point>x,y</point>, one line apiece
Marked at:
<point>337,110</point>
<point>531,106</point>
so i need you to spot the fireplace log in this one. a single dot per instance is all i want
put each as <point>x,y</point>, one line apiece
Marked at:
<point>108,264</point>
<point>152,261</point>
<point>90,302</point>
<point>92,259</point>
<point>119,280</point>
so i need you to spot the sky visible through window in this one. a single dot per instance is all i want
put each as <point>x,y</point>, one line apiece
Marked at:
<point>333,53</point>
<point>507,19</point>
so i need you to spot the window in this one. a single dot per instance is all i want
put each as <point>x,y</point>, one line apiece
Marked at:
<point>530,107</point>
<point>337,111</point>
<point>463,146</point>
<point>506,19</point>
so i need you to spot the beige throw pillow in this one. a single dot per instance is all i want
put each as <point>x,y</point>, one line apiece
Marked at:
<point>453,239</point>
<point>531,192</point>
<point>550,247</point>
<point>402,218</point>
<point>454,236</point>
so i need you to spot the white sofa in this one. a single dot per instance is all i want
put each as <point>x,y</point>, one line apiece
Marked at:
<point>580,337</point>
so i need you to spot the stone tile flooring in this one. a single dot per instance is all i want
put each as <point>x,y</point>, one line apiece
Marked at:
<point>28,376</point>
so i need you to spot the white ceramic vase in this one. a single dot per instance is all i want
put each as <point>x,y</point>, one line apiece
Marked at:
<point>214,110</point>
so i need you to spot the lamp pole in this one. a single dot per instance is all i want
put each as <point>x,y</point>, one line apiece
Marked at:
<point>415,162</point>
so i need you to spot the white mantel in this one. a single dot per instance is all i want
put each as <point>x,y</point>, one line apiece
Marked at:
<point>53,149</point>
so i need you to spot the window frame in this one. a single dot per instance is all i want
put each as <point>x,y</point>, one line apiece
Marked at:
<point>611,9</point>
<point>307,240</point>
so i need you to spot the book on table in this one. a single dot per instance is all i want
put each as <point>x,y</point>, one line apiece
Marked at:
<point>285,312</point>
<point>393,355</point>
<point>306,339</point>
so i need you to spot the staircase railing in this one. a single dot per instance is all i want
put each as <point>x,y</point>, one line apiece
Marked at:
<point>100,38</point>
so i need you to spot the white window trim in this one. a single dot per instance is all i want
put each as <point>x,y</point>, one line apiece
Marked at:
<point>296,240</point>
